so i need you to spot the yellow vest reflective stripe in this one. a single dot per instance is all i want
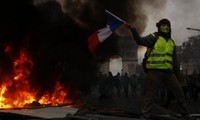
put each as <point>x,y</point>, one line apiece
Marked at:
<point>161,55</point>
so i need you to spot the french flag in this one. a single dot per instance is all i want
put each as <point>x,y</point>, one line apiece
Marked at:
<point>99,36</point>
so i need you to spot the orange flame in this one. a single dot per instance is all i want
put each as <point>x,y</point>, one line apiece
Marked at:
<point>57,97</point>
<point>15,90</point>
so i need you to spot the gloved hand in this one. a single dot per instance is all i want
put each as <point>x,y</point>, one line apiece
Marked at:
<point>130,26</point>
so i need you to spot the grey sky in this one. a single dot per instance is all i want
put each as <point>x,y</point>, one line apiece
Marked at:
<point>181,13</point>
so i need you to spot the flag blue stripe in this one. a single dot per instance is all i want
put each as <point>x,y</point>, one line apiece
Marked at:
<point>113,22</point>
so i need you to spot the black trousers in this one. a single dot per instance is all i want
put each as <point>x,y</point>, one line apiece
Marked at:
<point>153,80</point>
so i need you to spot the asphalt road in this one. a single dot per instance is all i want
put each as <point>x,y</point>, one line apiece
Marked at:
<point>133,104</point>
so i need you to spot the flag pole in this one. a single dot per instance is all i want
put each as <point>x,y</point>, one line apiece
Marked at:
<point>115,16</point>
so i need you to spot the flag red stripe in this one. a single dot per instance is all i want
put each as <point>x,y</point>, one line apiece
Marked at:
<point>93,41</point>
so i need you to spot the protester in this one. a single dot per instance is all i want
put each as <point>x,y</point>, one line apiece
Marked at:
<point>161,65</point>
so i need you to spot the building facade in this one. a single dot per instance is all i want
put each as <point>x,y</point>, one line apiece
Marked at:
<point>128,53</point>
<point>189,55</point>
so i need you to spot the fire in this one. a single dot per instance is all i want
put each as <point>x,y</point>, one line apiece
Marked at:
<point>57,97</point>
<point>2,99</point>
<point>22,67</point>
<point>15,90</point>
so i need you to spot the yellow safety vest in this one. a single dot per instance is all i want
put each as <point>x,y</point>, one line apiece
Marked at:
<point>161,55</point>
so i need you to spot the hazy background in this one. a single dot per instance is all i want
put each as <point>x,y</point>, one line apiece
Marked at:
<point>181,13</point>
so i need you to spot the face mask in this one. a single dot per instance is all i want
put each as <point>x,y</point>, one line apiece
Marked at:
<point>164,28</point>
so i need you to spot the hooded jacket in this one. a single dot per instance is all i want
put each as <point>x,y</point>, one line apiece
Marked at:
<point>149,41</point>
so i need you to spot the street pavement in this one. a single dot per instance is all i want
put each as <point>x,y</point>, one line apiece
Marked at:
<point>133,104</point>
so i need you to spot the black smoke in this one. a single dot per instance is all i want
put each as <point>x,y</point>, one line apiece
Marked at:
<point>58,34</point>
<point>55,42</point>
<point>60,52</point>
<point>90,13</point>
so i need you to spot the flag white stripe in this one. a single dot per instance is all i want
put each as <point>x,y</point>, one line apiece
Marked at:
<point>104,33</point>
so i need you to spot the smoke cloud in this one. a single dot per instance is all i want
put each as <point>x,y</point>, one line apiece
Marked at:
<point>181,13</point>
<point>57,37</point>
